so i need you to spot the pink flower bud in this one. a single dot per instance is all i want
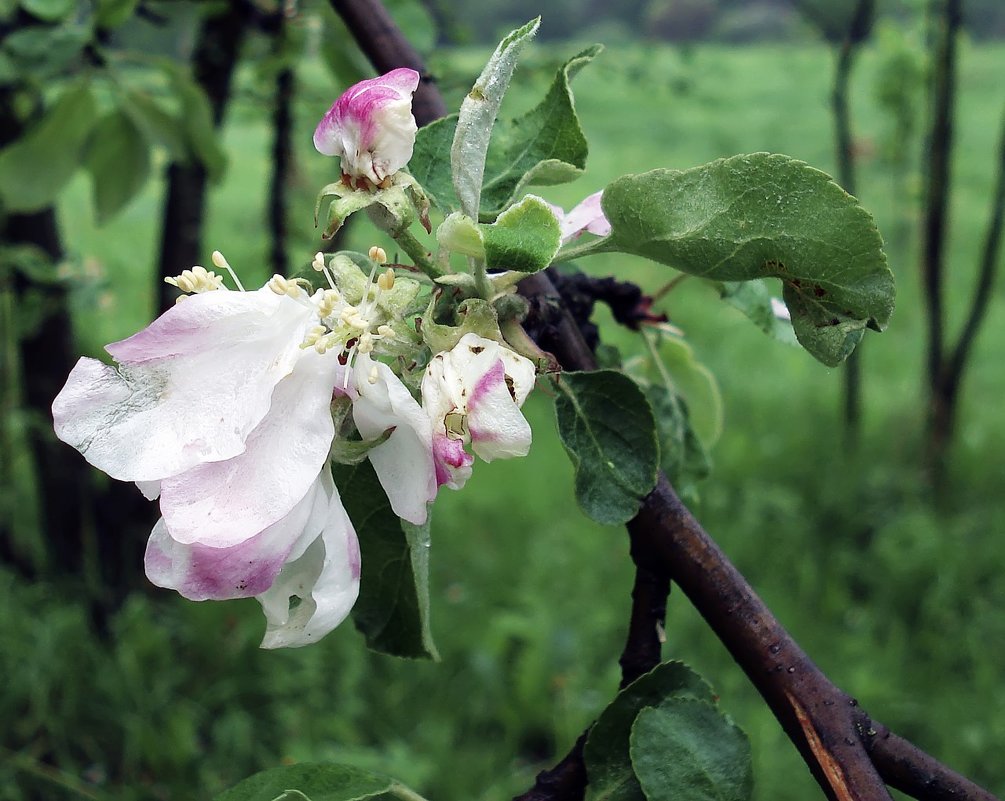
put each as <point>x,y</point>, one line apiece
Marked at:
<point>371,127</point>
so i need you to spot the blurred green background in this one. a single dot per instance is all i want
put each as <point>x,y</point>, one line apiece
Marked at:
<point>898,598</point>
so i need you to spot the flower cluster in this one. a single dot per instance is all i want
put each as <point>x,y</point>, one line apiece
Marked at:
<point>222,408</point>
<point>231,406</point>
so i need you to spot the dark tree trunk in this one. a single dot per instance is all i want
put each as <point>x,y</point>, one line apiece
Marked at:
<point>857,32</point>
<point>282,159</point>
<point>946,19</point>
<point>213,64</point>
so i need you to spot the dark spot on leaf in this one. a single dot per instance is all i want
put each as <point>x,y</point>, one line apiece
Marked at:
<point>835,321</point>
<point>819,291</point>
<point>774,266</point>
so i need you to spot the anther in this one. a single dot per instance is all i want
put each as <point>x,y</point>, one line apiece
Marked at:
<point>319,262</point>
<point>386,280</point>
<point>222,264</point>
<point>378,254</point>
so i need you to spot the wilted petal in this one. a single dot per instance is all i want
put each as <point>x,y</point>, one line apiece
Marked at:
<point>404,462</point>
<point>371,127</point>
<point>475,390</point>
<point>497,426</point>
<point>190,387</point>
<point>324,580</point>
<point>200,572</point>
<point>222,503</point>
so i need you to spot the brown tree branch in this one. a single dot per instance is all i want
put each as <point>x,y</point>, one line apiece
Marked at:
<point>850,756</point>
<point>383,43</point>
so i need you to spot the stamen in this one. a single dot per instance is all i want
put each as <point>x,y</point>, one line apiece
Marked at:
<point>285,286</point>
<point>386,280</point>
<point>378,254</point>
<point>222,264</point>
<point>198,279</point>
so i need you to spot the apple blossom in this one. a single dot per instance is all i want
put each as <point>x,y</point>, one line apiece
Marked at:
<point>587,215</point>
<point>371,127</point>
<point>222,408</point>
<point>473,393</point>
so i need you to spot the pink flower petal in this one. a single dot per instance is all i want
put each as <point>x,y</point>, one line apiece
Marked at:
<point>223,503</point>
<point>190,389</point>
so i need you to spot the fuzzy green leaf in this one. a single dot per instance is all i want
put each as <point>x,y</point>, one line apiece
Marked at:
<point>697,385</point>
<point>607,756</point>
<point>753,298</point>
<point>525,238</point>
<point>683,457</point>
<point>313,781</point>
<point>760,216</point>
<point>159,126</point>
<point>544,147</point>
<point>686,748</point>
<point>392,611</point>
<point>607,427</point>
<point>49,10</point>
<point>478,114</point>
<point>36,167</point>
<point>118,159</point>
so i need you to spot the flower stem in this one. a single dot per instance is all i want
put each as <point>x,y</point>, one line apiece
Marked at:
<point>417,252</point>
<point>521,342</point>
<point>482,283</point>
<point>570,252</point>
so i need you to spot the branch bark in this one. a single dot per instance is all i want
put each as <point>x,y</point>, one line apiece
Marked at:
<point>849,754</point>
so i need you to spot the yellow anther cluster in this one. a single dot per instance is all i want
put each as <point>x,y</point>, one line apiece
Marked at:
<point>319,262</point>
<point>378,255</point>
<point>286,286</point>
<point>386,280</point>
<point>198,279</point>
<point>330,298</point>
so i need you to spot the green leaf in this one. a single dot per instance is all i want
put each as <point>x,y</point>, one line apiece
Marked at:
<point>545,146</point>
<point>525,238</point>
<point>682,455</point>
<point>697,385</point>
<point>686,748</point>
<point>607,427</point>
<point>753,298</point>
<point>35,168</point>
<point>759,216</point>
<point>159,126</point>
<point>314,781</point>
<point>460,234</point>
<point>42,50</point>
<point>430,162</point>
<point>49,10</point>
<point>392,611</point>
<point>113,13</point>
<point>118,159</point>
<point>200,132</point>
<point>354,451</point>
<point>478,114</point>
<point>607,756</point>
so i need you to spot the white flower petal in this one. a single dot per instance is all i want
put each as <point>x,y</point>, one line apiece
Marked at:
<point>200,572</point>
<point>325,579</point>
<point>497,426</point>
<point>404,463</point>
<point>190,387</point>
<point>223,503</point>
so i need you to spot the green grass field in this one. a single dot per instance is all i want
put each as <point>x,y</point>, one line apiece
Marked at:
<point>902,605</point>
